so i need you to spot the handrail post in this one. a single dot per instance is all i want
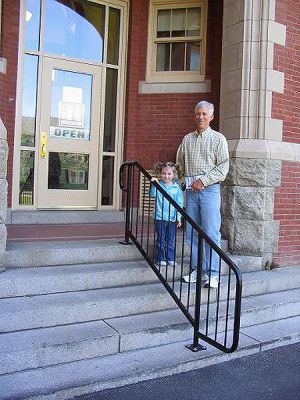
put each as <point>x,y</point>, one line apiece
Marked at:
<point>128,204</point>
<point>196,346</point>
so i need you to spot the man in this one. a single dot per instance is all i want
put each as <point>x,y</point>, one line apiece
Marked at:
<point>203,157</point>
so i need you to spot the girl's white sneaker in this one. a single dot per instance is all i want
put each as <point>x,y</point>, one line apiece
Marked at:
<point>212,283</point>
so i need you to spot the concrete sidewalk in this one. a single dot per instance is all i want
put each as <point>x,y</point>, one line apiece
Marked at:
<point>66,381</point>
<point>269,375</point>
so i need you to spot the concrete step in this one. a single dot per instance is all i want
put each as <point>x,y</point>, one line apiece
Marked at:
<point>62,216</point>
<point>157,328</point>
<point>65,381</point>
<point>71,278</point>
<point>49,346</point>
<point>30,312</point>
<point>39,254</point>
<point>72,307</point>
<point>66,278</point>
<point>52,253</point>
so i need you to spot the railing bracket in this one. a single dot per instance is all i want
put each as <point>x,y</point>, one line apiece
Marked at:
<point>194,348</point>
<point>126,243</point>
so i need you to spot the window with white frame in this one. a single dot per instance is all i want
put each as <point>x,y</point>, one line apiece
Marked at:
<point>176,41</point>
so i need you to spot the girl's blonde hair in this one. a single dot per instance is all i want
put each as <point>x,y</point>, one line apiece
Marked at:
<point>158,167</point>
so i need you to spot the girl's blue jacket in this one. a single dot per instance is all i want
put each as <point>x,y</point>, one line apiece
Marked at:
<point>162,208</point>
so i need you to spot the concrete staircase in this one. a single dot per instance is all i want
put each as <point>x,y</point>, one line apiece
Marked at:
<point>76,317</point>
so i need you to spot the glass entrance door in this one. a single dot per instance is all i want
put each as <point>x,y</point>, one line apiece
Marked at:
<point>68,162</point>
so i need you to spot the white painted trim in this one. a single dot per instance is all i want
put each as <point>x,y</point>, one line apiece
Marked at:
<point>264,149</point>
<point>3,64</point>
<point>179,87</point>
<point>3,130</point>
<point>152,76</point>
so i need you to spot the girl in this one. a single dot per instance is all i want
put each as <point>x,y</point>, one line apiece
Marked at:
<point>165,215</point>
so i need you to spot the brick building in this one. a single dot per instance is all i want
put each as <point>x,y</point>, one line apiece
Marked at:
<point>86,84</point>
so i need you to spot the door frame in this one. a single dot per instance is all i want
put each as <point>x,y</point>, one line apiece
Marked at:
<point>123,5</point>
<point>92,145</point>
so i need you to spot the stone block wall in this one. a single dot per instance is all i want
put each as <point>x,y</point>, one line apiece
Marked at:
<point>248,207</point>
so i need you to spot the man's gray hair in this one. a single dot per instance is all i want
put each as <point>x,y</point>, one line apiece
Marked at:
<point>205,104</point>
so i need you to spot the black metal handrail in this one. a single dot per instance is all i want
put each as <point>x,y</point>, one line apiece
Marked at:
<point>213,313</point>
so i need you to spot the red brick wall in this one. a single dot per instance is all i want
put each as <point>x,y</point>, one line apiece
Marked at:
<point>287,211</point>
<point>156,123</point>
<point>286,106</point>
<point>9,50</point>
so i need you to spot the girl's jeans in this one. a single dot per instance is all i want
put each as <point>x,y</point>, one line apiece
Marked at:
<point>165,240</point>
<point>204,208</point>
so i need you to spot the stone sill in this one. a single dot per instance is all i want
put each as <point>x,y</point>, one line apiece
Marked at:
<point>175,87</point>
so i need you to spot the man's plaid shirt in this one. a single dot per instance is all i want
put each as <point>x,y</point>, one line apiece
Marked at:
<point>204,156</point>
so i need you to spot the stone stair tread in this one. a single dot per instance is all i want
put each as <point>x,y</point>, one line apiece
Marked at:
<point>71,307</point>
<point>27,276</point>
<point>53,253</point>
<point>60,278</point>
<point>78,335</point>
<point>87,376</point>
<point>62,270</point>
<point>286,296</point>
<point>78,297</point>
<point>164,318</point>
<point>41,217</point>
<point>139,322</point>
<point>54,336</point>
<point>280,330</point>
<point>48,346</point>
<point>31,281</point>
<point>21,273</point>
<point>107,294</point>
<point>63,308</point>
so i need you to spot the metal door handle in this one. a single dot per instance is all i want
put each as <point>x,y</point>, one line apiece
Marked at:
<point>43,145</point>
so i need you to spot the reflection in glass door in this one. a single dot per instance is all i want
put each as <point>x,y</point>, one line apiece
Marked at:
<point>69,138</point>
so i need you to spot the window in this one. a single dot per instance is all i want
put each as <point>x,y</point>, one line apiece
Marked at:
<point>176,45</point>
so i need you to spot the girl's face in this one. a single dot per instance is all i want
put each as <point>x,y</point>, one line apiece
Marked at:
<point>167,175</point>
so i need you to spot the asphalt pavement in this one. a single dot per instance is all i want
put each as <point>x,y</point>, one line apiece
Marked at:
<point>272,374</point>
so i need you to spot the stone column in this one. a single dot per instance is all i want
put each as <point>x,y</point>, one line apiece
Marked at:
<point>3,192</point>
<point>254,137</point>
<point>247,209</point>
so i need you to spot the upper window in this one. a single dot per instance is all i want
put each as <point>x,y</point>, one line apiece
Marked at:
<point>176,45</point>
